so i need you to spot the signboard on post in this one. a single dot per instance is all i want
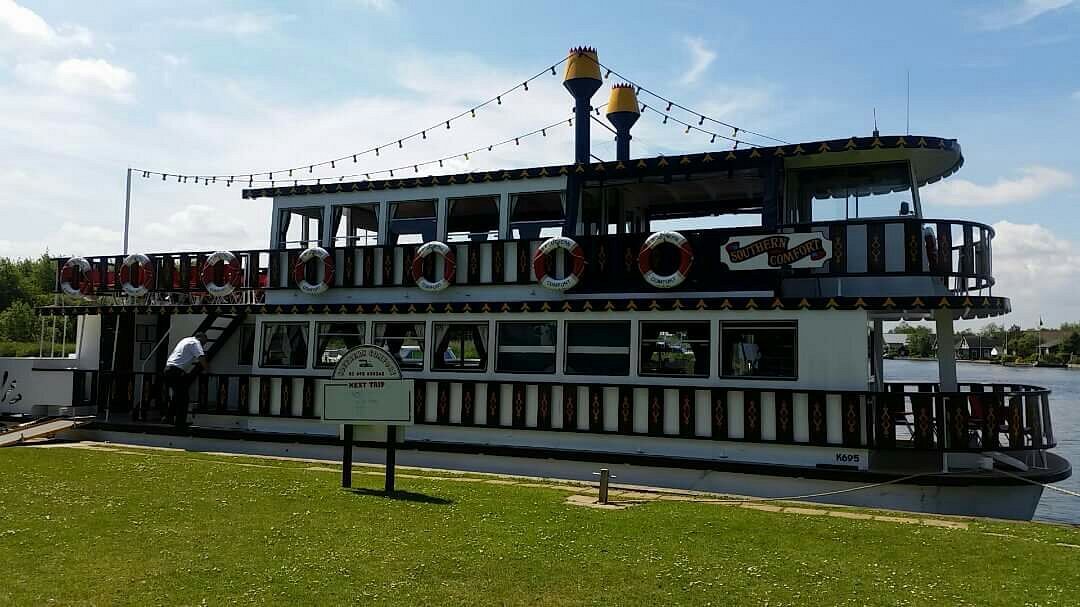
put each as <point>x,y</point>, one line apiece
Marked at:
<point>768,252</point>
<point>366,388</point>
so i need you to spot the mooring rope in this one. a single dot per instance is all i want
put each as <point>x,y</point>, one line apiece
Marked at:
<point>1043,485</point>
<point>820,494</point>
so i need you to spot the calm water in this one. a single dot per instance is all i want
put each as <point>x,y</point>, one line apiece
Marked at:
<point>1064,411</point>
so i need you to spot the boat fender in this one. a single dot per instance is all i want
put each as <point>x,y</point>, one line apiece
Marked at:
<point>136,275</point>
<point>231,276</point>
<point>77,277</point>
<point>540,263</point>
<point>449,266</point>
<point>686,258</point>
<point>300,271</point>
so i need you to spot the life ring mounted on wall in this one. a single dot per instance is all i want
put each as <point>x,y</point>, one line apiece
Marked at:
<point>136,275</point>
<point>77,277</point>
<point>300,271</point>
<point>231,276</point>
<point>540,263</point>
<point>645,262</point>
<point>449,266</point>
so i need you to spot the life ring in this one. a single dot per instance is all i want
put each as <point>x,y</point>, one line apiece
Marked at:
<point>540,264</point>
<point>143,271</point>
<point>300,271</point>
<point>449,267</point>
<point>231,276</point>
<point>686,258</point>
<point>77,277</point>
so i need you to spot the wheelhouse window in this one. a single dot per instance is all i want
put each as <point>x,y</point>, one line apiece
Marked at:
<point>300,228</point>
<point>526,347</point>
<point>246,353</point>
<point>759,350</point>
<point>334,339</point>
<point>674,348</point>
<point>285,345</point>
<point>850,191</point>
<point>356,225</point>
<point>597,348</point>
<point>473,218</point>
<point>412,222</point>
<point>460,346</point>
<point>404,340</point>
<point>536,215</point>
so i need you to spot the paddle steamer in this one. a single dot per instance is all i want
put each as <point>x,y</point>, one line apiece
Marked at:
<point>710,320</point>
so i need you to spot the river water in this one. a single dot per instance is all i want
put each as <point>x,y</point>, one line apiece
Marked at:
<point>1064,412</point>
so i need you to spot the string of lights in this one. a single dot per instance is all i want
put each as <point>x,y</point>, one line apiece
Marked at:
<point>332,163</point>
<point>693,127</point>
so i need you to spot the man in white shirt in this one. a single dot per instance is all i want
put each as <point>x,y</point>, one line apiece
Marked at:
<point>186,359</point>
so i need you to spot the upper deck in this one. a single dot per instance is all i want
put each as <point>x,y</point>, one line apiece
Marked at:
<point>729,205</point>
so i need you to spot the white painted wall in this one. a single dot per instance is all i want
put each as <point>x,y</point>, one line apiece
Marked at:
<point>37,385</point>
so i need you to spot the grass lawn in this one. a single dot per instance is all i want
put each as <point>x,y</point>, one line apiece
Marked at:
<point>82,527</point>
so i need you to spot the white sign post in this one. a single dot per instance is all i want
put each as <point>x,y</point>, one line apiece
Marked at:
<point>367,389</point>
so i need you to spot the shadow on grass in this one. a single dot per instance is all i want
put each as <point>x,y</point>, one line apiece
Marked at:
<point>405,496</point>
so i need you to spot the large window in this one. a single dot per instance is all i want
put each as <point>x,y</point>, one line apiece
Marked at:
<point>285,345</point>
<point>405,340</point>
<point>356,225</point>
<point>460,346</point>
<point>597,348</point>
<point>474,218</point>
<point>526,347</point>
<point>675,348</point>
<point>536,215</point>
<point>246,345</point>
<point>334,339</point>
<point>411,222</point>
<point>764,350</point>
<point>299,228</point>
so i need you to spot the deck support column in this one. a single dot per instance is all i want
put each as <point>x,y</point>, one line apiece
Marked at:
<point>877,356</point>
<point>946,351</point>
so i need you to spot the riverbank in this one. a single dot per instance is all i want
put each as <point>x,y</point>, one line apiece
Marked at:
<point>140,526</point>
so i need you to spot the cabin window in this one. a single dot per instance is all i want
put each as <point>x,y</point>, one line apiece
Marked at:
<point>246,338</point>
<point>851,191</point>
<point>460,346</point>
<point>285,345</point>
<point>537,215</point>
<point>356,225</point>
<point>412,222</point>
<point>526,347</point>
<point>759,350</point>
<point>675,348</point>
<point>597,348</point>
<point>334,339</point>
<point>300,228</point>
<point>474,218</point>
<point>405,340</point>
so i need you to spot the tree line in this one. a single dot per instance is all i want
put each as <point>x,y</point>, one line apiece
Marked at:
<point>1022,344</point>
<point>24,285</point>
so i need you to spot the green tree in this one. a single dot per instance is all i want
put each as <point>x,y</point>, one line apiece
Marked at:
<point>1072,343</point>
<point>1024,344</point>
<point>18,322</point>
<point>921,342</point>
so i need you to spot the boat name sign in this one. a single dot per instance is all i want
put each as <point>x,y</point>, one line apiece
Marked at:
<point>765,252</point>
<point>366,388</point>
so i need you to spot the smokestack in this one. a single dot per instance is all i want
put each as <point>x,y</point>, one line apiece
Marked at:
<point>622,113</point>
<point>582,79</point>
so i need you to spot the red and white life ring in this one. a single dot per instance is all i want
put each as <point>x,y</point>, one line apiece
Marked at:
<point>77,277</point>
<point>686,258</point>
<point>449,267</point>
<point>540,263</point>
<point>231,276</point>
<point>300,270</point>
<point>136,275</point>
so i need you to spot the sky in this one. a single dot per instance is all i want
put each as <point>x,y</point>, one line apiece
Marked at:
<point>88,89</point>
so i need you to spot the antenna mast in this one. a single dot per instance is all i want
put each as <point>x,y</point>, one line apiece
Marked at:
<point>907,119</point>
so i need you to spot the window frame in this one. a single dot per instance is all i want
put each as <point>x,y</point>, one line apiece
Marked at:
<point>240,345</point>
<point>423,342</point>
<point>629,347</point>
<point>307,344</point>
<point>554,347</point>
<point>771,325</point>
<point>435,358</point>
<point>316,355</point>
<point>708,348</point>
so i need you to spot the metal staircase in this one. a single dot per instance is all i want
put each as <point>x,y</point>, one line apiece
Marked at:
<point>218,329</point>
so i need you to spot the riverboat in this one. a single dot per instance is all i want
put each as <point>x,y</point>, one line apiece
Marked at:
<point>710,320</point>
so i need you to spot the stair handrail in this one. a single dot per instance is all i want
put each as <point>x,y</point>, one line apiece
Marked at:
<point>150,356</point>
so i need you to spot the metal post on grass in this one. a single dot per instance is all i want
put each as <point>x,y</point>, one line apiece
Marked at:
<point>605,476</point>
<point>391,456</point>
<point>346,456</point>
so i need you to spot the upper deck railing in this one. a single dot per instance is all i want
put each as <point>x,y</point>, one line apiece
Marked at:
<point>954,255</point>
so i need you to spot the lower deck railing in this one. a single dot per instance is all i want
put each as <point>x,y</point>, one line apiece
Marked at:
<point>979,417</point>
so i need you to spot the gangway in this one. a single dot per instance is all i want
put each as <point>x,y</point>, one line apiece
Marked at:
<point>39,429</point>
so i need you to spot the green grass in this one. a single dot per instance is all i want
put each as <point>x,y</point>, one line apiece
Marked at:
<point>32,348</point>
<point>80,527</point>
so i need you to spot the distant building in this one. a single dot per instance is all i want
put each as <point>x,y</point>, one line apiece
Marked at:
<point>896,344</point>
<point>979,347</point>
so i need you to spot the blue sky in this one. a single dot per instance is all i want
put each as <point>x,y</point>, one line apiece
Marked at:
<point>87,89</point>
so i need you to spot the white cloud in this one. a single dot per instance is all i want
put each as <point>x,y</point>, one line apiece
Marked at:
<point>90,77</point>
<point>24,26</point>
<point>174,60</point>
<point>1033,183</point>
<point>1076,95</point>
<point>1019,12</point>
<point>381,6</point>
<point>236,24</point>
<point>701,57</point>
<point>198,227</point>
<point>1038,271</point>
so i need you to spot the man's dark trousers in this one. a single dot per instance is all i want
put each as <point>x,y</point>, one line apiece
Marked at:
<point>177,383</point>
